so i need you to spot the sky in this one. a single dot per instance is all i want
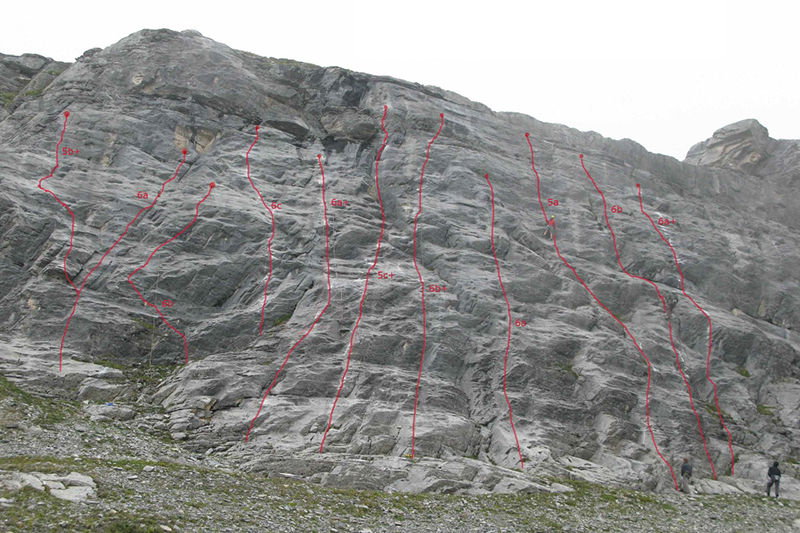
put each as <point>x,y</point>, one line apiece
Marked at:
<point>665,74</point>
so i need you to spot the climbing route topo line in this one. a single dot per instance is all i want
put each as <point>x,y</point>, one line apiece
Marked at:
<point>319,315</point>
<point>509,326</point>
<point>150,257</point>
<point>108,251</point>
<point>272,231</point>
<point>366,279</point>
<point>665,310</point>
<point>552,223</point>
<point>708,320</point>
<point>63,204</point>
<point>421,285</point>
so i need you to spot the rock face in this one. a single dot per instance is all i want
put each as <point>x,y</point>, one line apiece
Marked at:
<point>741,146</point>
<point>577,385</point>
<point>74,487</point>
<point>24,78</point>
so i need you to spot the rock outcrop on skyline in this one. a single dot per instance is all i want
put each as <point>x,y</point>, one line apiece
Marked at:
<point>576,382</point>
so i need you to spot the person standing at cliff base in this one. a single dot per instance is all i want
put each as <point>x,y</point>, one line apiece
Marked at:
<point>774,475</point>
<point>686,475</point>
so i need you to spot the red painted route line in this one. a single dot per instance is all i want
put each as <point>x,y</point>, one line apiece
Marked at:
<point>508,334</point>
<point>366,279</point>
<point>181,232</point>
<point>65,206</point>
<point>100,262</point>
<point>272,234</point>
<point>319,316</point>
<point>708,319</point>
<point>552,222</point>
<point>666,313</point>
<point>421,285</point>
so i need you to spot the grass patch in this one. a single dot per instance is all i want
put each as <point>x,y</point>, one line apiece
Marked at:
<point>49,411</point>
<point>135,465</point>
<point>106,361</point>
<point>32,508</point>
<point>282,320</point>
<point>149,374</point>
<point>321,507</point>
<point>146,325</point>
<point>768,410</point>
<point>35,510</point>
<point>6,98</point>
<point>65,465</point>
<point>712,410</point>
<point>743,371</point>
<point>644,498</point>
<point>129,525</point>
<point>34,93</point>
<point>45,463</point>
<point>564,367</point>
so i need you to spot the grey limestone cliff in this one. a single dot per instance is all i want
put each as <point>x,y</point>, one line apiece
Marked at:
<point>575,381</point>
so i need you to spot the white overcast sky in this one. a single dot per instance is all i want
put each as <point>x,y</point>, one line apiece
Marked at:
<point>666,74</point>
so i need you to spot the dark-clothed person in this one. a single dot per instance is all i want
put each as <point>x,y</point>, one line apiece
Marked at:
<point>774,475</point>
<point>686,475</point>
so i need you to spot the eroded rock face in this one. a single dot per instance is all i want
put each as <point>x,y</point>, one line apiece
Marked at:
<point>24,78</point>
<point>576,383</point>
<point>743,145</point>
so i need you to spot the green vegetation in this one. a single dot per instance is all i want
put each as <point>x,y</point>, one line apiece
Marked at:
<point>49,411</point>
<point>614,498</point>
<point>6,98</point>
<point>743,371</point>
<point>106,361</point>
<point>136,465</point>
<point>149,374</point>
<point>322,507</point>
<point>64,465</point>
<point>33,509</point>
<point>712,410</point>
<point>146,325</point>
<point>155,336</point>
<point>608,497</point>
<point>34,93</point>
<point>283,319</point>
<point>127,525</point>
<point>44,463</point>
<point>768,410</point>
<point>564,367</point>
